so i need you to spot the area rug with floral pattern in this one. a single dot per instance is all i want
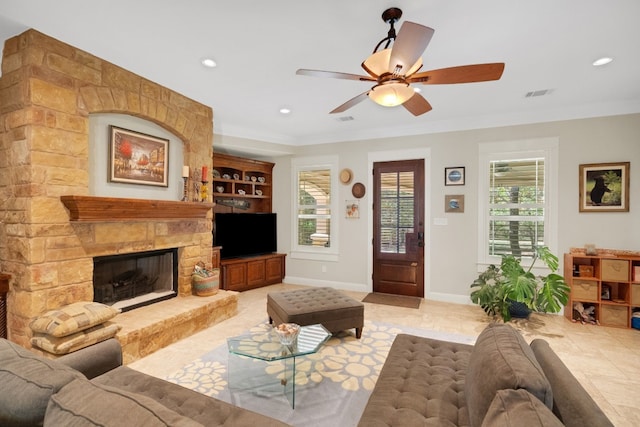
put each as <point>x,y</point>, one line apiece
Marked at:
<point>332,385</point>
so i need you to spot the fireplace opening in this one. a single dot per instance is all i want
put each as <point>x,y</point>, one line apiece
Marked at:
<point>134,280</point>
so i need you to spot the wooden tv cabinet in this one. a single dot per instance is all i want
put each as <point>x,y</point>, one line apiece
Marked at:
<point>241,274</point>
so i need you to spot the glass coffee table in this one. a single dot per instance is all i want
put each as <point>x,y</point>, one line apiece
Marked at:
<point>264,346</point>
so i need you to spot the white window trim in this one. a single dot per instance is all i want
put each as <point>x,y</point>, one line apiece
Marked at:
<point>318,253</point>
<point>508,150</point>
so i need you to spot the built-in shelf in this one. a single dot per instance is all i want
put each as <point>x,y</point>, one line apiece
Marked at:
<point>241,185</point>
<point>109,209</point>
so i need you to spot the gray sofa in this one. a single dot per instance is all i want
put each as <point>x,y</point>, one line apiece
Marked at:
<point>499,381</point>
<point>90,387</point>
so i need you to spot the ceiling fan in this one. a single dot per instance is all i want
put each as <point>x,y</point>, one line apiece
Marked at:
<point>393,69</point>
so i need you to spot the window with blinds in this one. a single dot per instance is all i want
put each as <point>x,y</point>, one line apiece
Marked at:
<point>516,206</point>
<point>396,211</point>
<point>314,207</point>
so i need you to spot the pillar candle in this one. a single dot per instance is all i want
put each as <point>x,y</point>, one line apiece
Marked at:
<point>204,173</point>
<point>185,171</point>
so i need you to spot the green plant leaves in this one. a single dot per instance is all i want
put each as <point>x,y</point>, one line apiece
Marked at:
<point>496,286</point>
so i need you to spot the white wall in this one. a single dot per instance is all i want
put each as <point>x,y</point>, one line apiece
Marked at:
<point>452,248</point>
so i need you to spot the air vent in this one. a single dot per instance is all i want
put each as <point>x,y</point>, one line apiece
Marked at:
<point>541,92</point>
<point>345,118</point>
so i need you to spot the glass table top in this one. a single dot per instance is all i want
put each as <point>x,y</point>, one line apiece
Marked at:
<point>265,345</point>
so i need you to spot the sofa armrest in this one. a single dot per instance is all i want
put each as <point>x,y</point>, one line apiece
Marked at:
<point>571,402</point>
<point>96,359</point>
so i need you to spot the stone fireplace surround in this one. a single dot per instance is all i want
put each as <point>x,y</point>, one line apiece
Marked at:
<point>48,89</point>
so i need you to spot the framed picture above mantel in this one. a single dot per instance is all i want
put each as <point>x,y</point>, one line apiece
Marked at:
<point>137,158</point>
<point>604,187</point>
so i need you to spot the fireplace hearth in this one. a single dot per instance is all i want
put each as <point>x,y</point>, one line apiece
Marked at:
<point>134,280</point>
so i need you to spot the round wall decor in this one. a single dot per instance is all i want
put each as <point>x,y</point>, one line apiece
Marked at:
<point>358,190</point>
<point>345,176</point>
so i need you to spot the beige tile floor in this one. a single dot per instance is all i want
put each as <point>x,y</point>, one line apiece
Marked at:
<point>605,360</point>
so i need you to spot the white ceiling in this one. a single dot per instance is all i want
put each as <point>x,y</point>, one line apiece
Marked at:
<point>259,45</point>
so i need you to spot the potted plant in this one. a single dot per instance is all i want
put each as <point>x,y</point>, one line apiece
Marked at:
<point>499,289</point>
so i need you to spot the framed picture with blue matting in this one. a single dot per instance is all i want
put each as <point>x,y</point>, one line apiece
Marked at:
<point>454,176</point>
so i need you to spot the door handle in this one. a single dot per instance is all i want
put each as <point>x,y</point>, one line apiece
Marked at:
<point>420,239</point>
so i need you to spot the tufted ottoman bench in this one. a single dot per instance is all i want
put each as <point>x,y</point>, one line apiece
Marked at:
<point>330,307</point>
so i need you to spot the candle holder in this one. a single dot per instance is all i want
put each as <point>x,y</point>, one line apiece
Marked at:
<point>185,190</point>
<point>196,191</point>
<point>204,196</point>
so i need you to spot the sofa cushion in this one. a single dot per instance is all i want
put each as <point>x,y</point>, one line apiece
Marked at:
<point>82,403</point>
<point>28,381</point>
<point>502,359</point>
<point>421,384</point>
<point>197,406</point>
<point>72,318</point>
<point>515,408</point>
<point>73,342</point>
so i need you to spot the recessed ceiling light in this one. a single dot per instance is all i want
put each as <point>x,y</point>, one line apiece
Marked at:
<point>285,111</point>
<point>210,63</point>
<point>602,61</point>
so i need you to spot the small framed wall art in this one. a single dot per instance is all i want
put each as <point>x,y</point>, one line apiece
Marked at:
<point>137,158</point>
<point>352,209</point>
<point>604,187</point>
<point>454,176</point>
<point>454,203</point>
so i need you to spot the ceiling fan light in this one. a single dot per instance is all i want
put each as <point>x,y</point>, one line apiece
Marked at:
<point>378,63</point>
<point>391,94</point>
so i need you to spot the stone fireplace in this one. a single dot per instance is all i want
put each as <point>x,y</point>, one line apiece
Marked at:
<point>51,227</point>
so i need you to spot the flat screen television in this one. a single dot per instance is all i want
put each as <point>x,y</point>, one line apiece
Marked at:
<point>245,234</point>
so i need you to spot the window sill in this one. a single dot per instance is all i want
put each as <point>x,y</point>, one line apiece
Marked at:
<point>315,256</point>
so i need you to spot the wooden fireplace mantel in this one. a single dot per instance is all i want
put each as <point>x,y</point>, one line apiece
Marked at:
<point>92,208</point>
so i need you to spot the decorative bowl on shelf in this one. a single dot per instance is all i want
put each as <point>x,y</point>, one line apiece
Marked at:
<point>242,192</point>
<point>258,192</point>
<point>226,176</point>
<point>254,179</point>
<point>287,333</point>
<point>236,176</point>
<point>261,179</point>
<point>216,174</point>
<point>220,189</point>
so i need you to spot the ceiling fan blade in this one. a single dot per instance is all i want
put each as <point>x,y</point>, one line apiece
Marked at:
<point>350,103</point>
<point>408,46</point>
<point>417,105</point>
<point>461,74</point>
<point>334,75</point>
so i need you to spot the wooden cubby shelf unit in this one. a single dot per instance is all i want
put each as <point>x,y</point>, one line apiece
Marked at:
<point>610,283</point>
